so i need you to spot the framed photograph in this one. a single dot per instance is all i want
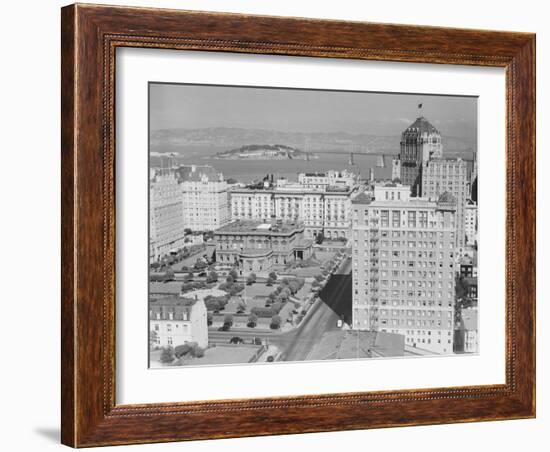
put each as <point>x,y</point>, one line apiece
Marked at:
<point>282,225</point>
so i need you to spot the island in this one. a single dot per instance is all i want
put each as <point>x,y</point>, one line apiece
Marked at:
<point>263,152</point>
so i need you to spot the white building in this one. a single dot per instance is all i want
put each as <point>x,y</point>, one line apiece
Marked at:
<point>468,331</point>
<point>205,198</point>
<point>165,213</point>
<point>470,222</point>
<point>176,320</point>
<point>403,266</point>
<point>331,178</point>
<point>326,211</point>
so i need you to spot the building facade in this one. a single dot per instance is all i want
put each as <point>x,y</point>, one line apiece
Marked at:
<point>403,266</point>
<point>448,176</point>
<point>326,211</point>
<point>470,222</point>
<point>326,179</point>
<point>420,142</point>
<point>257,246</point>
<point>205,198</point>
<point>166,230</point>
<point>176,320</point>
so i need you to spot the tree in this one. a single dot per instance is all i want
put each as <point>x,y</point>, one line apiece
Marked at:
<point>252,320</point>
<point>234,274</point>
<point>319,278</point>
<point>251,278</point>
<point>167,355</point>
<point>212,277</point>
<point>275,322</point>
<point>181,350</point>
<point>273,276</point>
<point>230,279</point>
<point>188,277</point>
<point>188,231</point>
<point>270,281</point>
<point>320,238</point>
<point>228,319</point>
<point>210,318</point>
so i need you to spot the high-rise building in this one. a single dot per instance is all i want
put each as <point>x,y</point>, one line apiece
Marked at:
<point>403,266</point>
<point>166,228</point>
<point>448,175</point>
<point>420,142</point>
<point>326,179</point>
<point>470,222</point>
<point>205,198</point>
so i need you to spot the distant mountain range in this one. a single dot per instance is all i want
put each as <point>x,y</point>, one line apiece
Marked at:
<point>233,139</point>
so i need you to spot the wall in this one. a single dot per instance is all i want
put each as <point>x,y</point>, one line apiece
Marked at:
<point>30,227</point>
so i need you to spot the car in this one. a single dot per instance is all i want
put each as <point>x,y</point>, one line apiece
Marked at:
<point>236,340</point>
<point>202,274</point>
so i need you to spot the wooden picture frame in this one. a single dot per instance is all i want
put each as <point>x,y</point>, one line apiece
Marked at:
<point>90,36</point>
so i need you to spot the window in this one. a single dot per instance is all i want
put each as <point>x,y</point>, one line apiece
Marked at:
<point>412,219</point>
<point>396,218</point>
<point>385,218</point>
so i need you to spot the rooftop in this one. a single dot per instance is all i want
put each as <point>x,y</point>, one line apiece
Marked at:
<point>173,300</point>
<point>194,173</point>
<point>362,198</point>
<point>421,125</point>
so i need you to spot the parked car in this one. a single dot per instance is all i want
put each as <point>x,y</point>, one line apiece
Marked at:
<point>257,341</point>
<point>224,327</point>
<point>236,340</point>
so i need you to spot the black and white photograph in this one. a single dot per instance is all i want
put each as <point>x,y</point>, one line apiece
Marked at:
<point>290,225</point>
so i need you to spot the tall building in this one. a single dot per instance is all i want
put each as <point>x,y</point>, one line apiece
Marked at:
<point>470,222</point>
<point>324,210</point>
<point>205,198</point>
<point>403,266</point>
<point>420,142</point>
<point>448,175</point>
<point>166,228</point>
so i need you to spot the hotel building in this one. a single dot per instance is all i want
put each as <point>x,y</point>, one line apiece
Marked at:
<point>205,198</point>
<point>420,142</point>
<point>322,210</point>
<point>403,266</point>
<point>176,320</point>
<point>257,246</point>
<point>166,230</point>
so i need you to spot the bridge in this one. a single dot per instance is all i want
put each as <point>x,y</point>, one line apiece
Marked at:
<point>380,162</point>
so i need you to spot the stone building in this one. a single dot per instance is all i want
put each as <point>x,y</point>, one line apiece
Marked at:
<point>257,246</point>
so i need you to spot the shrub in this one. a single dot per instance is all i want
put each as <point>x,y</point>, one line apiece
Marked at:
<point>262,312</point>
<point>273,276</point>
<point>270,359</point>
<point>251,278</point>
<point>253,318</point>
<point>210,318</point>
<point>319,278</point>
<point>234,274</point>
<point>181,350</point>
<point>230,279</point>
<point>228,319</point>
<point>198,352</point>
<point>167,355</point>
<point>212,277</point>
<point>235,289</point>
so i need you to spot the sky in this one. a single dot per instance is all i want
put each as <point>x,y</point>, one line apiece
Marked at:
<point>296,110</point>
